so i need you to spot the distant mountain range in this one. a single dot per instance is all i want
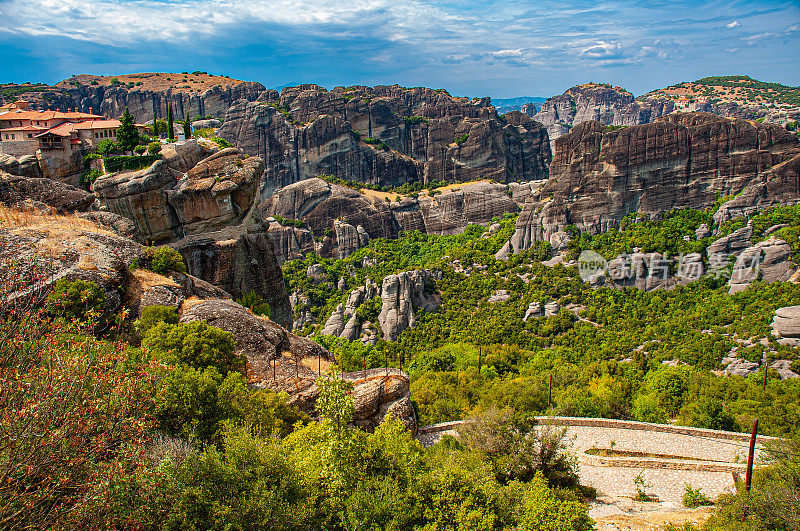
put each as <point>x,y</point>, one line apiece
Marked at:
<point>504,105</point>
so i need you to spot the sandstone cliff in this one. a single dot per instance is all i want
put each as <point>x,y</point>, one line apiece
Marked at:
<point>147,95</point>
<point>342,219</point>
<point>599,175</point>
<point>384,135</point>
<point>600,103</point>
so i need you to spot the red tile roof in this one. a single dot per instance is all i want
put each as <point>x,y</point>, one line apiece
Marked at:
<point>48,115</point>
<point>23,128</point>
<point>65,129</point>
<point>98,124</point>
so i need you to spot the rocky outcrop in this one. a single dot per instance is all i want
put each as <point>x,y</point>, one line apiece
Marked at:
<point>217,192</point>
<point>318,204</point>
<point>239,261</point>
<point>258,338</point>
<point>385,135</point>
<point>770,261</point>
<point>24,166</point>
<point>779,185</point>
<point>190,190</point>
<point>786,323</point>
<point>344,220</point>
<point>598,176</point>
<point>141,197</point>
<point>599,103</point>
<point>401,294</point>
<point>60,197</point>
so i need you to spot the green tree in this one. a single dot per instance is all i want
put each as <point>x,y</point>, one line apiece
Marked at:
<point>187,128</point>
<point>107,147</point>
<point>170,123</point>
<point>127,134</point>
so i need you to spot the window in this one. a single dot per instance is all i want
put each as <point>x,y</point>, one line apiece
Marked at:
<point>30,135</point>
<point>12,137</point>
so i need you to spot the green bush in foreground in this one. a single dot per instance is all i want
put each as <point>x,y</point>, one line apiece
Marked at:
<point>196,344</point>
<point>75,299</point>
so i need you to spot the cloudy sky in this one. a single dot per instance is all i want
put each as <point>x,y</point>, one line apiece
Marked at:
<point>472,48</point>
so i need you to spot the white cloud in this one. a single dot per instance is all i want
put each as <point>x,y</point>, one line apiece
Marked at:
<point>508,53</point>
<point>734,24</point>
<point>602,50</point>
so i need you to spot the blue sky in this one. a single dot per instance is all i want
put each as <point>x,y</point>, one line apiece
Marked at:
<point>500,49</point>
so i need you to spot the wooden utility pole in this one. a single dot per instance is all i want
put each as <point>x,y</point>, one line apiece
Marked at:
<point>550,392</point>
<point>480,359</point>
<point>749,477</point>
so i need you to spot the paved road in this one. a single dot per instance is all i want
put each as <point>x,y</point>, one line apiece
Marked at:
<point>667,485</point>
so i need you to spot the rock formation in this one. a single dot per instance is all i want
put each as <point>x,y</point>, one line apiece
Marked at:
<point>600,103</point>
<point>110,100</point>
<point>400,295</point>
<point>343,219</point>
<point>598,176</point>
<point>384,135</point>
<point>58,196</point>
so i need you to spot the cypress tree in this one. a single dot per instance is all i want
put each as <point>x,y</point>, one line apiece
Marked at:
<point>187,128</point>
<point>170,123</point>
<point>127,135</point>
<point>155,126</point>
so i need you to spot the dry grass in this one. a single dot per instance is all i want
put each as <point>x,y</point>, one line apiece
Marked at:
<point>53,225</point>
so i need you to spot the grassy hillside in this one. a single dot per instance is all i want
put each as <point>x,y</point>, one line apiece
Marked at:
<point>737,89</point>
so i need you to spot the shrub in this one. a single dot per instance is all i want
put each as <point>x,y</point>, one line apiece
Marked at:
<point>165,259</point>
<point>75,299</point>
<point>153,315</point>
<point>140,149</point>
<point>154,148</point>
<point>88,178</point>
<point>107,147</point>
<point>196,344</point>
<point>463,138</point>
<point>694,497</point>
<point>255,303</point>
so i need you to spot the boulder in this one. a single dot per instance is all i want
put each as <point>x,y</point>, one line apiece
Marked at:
<point>770,260</point>
<point>110,221</point>
<point>500,295</point>
<point>534,310</point>
<point>60,197</point>
<point>141,197</point>
<point>217,192</point>
<point>551,309</point>
<point>786,323</point>
<point>24,166</point>
<point>258,338</point>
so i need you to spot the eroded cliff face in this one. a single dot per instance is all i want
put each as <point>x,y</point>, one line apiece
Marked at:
<point>202,201</point>
<point>111,100</point>
<point>599,103</point>
<point>338,220</point>
<point>414,135</point>
<point>598,176</point>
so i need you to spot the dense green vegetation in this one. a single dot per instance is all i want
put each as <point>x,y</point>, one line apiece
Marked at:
<point>606,346</point>
<point>168,435</point>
